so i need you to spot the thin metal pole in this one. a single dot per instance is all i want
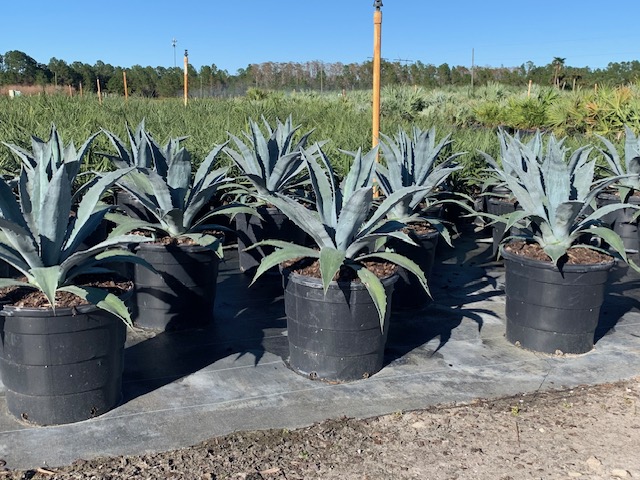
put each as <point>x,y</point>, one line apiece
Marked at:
<point>173,43</point>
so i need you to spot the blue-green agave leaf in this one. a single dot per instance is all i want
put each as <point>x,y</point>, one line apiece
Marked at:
<point>331,260</point>
<point>103,300</point>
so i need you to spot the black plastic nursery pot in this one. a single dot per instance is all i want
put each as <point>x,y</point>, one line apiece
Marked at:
<point>621,221</point>
<point>7,271</point>
<point>408,293</point>
<point>552,311</point>
<point>181,295</point>
<point>499,206</point>
<point>251,229</point>
<point>334,337</point>
<point>61,367</point>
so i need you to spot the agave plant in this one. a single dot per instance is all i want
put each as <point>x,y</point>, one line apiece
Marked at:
<point>271,165</point>
<point>344,228</point>
<point>171,194</point>
<point>492,182</point>
<point>413,161</point>
<point>627,171</point>
<point>42,231</point>
<point>556,197</point>
<point>143,149</point>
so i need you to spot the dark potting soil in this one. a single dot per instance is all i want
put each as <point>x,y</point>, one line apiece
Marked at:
<point>575,256</point>
<point>421,228</point>
<point>311,268</point>
<point>167,240</point>
<point>29,298</point>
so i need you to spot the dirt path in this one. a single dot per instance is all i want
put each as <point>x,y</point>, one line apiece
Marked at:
<point>588,432</point>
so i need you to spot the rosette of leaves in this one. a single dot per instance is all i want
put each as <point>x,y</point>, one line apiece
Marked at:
<point>175,197</point>
<point>270,163</point>
<point>415,160</point>
<point>492,183</point>
<point>43,229</point>
<point>142,150</point>
<point>345,227</point>
<point>628,169</point>
<point>556,196</point>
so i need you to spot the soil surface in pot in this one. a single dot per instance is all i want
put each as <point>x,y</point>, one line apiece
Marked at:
<point>422,228</point>
<point>29,298</point>
<point>589,432</point>
<point>167,240</point>
<point>575,256</point>
<point>345,274</point>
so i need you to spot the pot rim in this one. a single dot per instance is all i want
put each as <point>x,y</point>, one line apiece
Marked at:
<point>548,265</point>
<point>314,282</point>
<point>8,310</point>
<point>156,246</point>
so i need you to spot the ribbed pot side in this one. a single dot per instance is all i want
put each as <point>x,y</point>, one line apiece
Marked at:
<point>181,295</point>
<point>551,311</point>
<point>408,293</point>
<point>499,206</point>
<point>337,336</point>
<point>61,368</point>
<point>621,221</point>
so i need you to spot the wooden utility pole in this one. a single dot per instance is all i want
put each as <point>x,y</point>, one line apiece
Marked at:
<point>186,77</point>
<point>377,56</point>
<point>472,67</point>
<point>529,89</point>
<point>124,80</point>
<point>99,91</point>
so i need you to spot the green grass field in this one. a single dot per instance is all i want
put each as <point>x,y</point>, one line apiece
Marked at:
<point>471,117</point>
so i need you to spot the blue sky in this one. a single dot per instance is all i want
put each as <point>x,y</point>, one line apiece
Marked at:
<point>235,33</point>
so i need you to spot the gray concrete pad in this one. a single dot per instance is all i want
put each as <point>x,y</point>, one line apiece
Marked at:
<point>183,387</point>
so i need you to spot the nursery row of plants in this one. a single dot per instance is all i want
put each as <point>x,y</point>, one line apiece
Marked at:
<point>138,242</point>
<point>471,116</point>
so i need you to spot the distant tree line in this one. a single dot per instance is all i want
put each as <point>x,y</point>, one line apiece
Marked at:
<point>18,68</point>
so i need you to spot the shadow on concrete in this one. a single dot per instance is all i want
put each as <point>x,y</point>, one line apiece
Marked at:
<point>247,320</point>
<point>622,296</point>
<point>459,281</point>
<point>436,321</point>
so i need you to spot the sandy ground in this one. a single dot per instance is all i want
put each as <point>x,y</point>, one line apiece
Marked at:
<point>590,432</point>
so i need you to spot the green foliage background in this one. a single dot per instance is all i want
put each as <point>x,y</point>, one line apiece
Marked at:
<point>471,116</point>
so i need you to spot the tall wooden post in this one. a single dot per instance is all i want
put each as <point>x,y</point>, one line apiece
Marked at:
<point>377,49</point>
<point>377,57</point>
<point>126,90</point>
<point>99,91</point>
<point>81,93</point>
<point>186,78</point>
<point>473,67</point>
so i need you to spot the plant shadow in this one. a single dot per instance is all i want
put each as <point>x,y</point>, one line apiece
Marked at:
<point>622,296</point>
<point>247,320</point>
<point>459,284</point>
